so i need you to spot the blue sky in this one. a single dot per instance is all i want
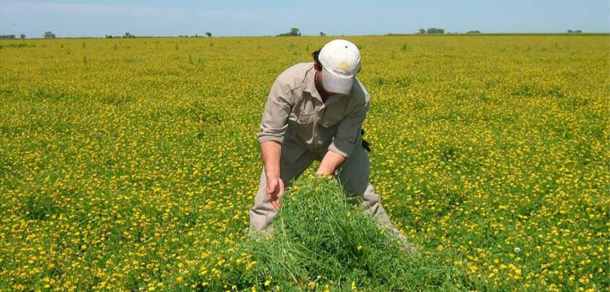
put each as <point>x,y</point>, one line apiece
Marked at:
<point>252,18</point>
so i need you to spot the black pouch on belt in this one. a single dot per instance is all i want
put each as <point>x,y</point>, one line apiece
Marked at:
<point>365,144</point>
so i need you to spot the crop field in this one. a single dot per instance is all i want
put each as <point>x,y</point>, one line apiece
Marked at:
<point>130,164</point>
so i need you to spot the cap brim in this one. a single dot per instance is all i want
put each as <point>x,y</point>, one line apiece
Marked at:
<point>336,84</point>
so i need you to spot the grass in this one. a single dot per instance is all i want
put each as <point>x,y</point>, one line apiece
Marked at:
<point>128,163</point>
<point>322,242</point>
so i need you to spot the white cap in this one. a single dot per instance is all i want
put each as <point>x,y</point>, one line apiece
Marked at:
<point>341,61</point>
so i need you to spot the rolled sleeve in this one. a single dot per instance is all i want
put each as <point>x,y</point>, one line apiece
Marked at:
<point>274,121</point>
<point>348,133</point>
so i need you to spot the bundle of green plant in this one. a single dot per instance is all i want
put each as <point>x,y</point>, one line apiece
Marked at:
<point>321,241</point>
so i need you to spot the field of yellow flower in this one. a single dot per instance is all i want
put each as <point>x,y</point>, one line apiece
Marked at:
<point>130,164</point>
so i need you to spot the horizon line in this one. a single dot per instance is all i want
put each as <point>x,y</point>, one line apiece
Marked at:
<point>342,35</point>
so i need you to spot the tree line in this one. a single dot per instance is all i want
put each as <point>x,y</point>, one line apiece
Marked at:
<point>431,30</point>
<point>11,36</point>
<point>292,32</point>
<point>295,31</point>
<point>46,35</point>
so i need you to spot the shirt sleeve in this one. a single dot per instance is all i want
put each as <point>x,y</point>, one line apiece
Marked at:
<point>348,133</point>
<point>275,117</point>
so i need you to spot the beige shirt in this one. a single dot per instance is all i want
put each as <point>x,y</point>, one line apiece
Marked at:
<point>296,117</point>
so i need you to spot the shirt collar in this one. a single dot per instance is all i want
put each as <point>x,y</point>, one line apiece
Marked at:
<point>309,84</point>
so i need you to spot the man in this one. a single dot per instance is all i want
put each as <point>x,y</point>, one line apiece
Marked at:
<point>315,111</point>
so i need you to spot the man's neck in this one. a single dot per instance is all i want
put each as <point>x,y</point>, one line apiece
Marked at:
<point>323,93</point>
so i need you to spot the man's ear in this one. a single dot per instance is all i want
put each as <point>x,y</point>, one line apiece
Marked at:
<point>315,66</point>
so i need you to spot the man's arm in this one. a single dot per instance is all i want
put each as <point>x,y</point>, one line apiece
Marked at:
<point>348,137</point>
<point>271,138</point>
<point>331,162</point>
<point>271,152</point>
<point>275,117</point>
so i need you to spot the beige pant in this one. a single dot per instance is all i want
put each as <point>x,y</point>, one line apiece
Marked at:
<point>353,175</point>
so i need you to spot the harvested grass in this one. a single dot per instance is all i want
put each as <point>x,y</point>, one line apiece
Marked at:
<point>321,241</point>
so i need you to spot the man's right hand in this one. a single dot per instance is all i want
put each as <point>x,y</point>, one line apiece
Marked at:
<point>275,191</point>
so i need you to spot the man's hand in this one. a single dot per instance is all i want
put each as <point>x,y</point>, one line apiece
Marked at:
<point>275,191</point>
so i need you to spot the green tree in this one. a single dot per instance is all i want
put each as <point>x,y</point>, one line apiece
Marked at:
<point>421,30</point>
<point>209,34</point>
<point>48,35</point>
<point>294,32</point>
<point>22,36</point>
<point>322,34</point>
<point>435,30</point>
